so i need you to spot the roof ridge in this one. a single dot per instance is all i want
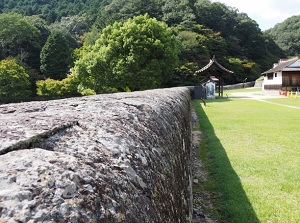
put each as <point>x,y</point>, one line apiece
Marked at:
<point>229,71</point>
<point>282,64</point>
<point>211,62</point>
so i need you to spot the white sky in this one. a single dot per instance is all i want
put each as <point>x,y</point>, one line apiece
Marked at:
<point>267,13</point>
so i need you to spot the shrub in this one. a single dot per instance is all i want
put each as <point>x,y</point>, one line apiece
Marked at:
<point>57,88</point>
<point>14,82</point>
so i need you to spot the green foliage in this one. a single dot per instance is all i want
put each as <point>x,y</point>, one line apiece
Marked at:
<point>200,44</point>
<point>217,29</point>
<point>89,38</point>
<point>239,36</point>
<point>138,54</point>
<point>116,10</point>
<point>57,88</point>
<point>17,36</point>
<point>52,10</point>
<point>14,82</point>
<point>243,69</point>
<point>216,16</point>
<point>193,45</point>
<point>56,56</point>
<point>287,35</point>
<point>22,38</point>
<point>243,37</point>
<point>197,46</point>
<point>178,12</point>
<point>73,26</point>
<point>184,75</point>
<point>274,53</point>
<point>33,50</point>
<point>88,91</point>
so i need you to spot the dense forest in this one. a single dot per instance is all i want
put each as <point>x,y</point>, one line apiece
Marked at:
<point>287,35</point>
<point>52,10</point>
<point>89,46</point>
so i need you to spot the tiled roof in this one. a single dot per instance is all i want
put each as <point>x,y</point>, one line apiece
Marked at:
<point>210,64</point>
<point>286,65</point>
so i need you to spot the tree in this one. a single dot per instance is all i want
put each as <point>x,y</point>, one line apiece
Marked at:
<point>243,69</point>
<point>22,38</point>
<point>241,35</point>
<point>120,11</point>
<point>14,82</point>
<point>73,26</point>
<point>56,56</point>
<point>178,12</point>
<point>57,88</point>
<point>33,58</point>
<point>16,33</point>
<point>138,54</point>
<point>197,46</point>
<point>287,35</point>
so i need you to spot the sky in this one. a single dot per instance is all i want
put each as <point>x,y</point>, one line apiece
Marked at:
<point>267,13</point>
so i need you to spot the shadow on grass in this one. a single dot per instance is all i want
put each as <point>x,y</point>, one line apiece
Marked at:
<point>234,205</point>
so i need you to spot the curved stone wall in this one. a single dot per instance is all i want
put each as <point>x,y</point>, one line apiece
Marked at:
<point>107,158</point>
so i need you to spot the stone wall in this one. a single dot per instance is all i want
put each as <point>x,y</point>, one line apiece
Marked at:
<point>239,86</point>
<point>106,158</point>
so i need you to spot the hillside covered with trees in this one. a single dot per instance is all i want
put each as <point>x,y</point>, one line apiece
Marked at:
<point>89,46</point>
<point>287,35</point>
<point>51,10</point>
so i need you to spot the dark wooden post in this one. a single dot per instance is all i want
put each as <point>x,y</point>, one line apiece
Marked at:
<point>214,69</point>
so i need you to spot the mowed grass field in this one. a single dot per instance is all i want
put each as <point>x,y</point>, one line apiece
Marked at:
<point>253,148</point>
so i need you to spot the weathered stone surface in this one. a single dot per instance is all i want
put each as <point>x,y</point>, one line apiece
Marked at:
<point>106,158</point>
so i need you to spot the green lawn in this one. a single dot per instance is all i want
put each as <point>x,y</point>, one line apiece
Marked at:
<point>254,158</point>
<point>295,102</point>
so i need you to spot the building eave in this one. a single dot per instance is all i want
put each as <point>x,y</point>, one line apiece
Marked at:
<point>283,66</point>
<point>211,63</point>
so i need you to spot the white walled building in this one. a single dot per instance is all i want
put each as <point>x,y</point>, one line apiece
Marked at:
<point>285,75</point>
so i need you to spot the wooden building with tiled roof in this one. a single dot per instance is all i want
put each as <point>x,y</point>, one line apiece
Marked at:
<point>214,71</point>
<point>285,75</point>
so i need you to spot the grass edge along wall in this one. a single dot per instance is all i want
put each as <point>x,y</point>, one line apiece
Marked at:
<point>254,157</point>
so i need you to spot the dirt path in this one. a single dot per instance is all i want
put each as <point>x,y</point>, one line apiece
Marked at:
<point>260,97</point>
<point>254,95</point>
<point>203,205</point>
